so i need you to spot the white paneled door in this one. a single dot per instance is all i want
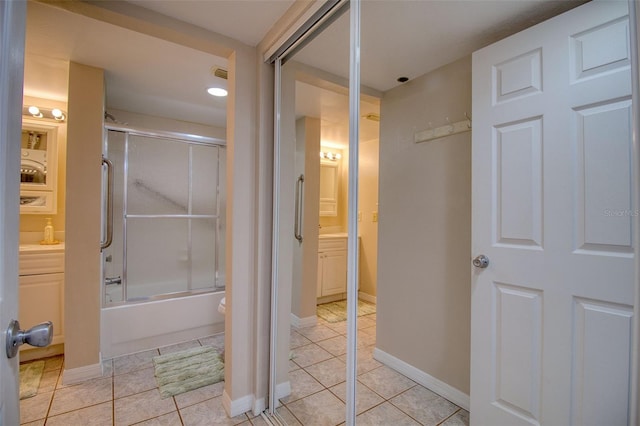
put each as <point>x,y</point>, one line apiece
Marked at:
<point>12,31</point>
<point>552,312</point>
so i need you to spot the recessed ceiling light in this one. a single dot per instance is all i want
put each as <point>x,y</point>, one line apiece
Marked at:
<point>217,91</point>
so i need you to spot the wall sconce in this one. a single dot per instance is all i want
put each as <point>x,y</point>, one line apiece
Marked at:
<point>330,156</point>
<point>55,114</point>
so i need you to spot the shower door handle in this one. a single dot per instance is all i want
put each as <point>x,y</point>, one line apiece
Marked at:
<point>297,229</point>
<point>109,222</point>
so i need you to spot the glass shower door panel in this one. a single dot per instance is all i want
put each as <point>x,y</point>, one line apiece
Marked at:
<point>203,250</point>
<point>158,177</point>
<point>157,256</point>
<point>204,180</point>
<point>222,216</point>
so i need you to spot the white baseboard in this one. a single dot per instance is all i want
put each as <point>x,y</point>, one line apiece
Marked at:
<point>237,406</point>
<point>441,388</point>
<point>80,374</point>
<point>283,389</point>
<point>367,298</point>
<point>259,405</point>
<point>303,322</point>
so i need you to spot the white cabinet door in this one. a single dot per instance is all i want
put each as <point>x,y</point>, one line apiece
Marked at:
<point>42,299</point>
<point>334,272</point>
<point>552,313</point>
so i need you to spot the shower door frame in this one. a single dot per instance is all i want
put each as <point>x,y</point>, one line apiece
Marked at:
<point>177,137</point>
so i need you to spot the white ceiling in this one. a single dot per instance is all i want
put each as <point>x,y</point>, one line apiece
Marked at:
<point>152,76</point>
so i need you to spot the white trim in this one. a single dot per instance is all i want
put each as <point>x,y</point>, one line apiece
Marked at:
<point>283,389</point>
<point>80,374</point>
<point>237,406</point>
<point>292,29</point>
<point>259,405</point>
<point>298,322</point>
<point>441,388</point>
<point>367,298</point>
<point>634,17</point>
<point>353,209</point>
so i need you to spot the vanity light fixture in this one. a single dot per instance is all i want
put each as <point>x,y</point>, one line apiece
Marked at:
<point>217,91</point>
<point>35,111</point>
<point>330,155</point>
<point>57,114</point>
<point>45,113</point>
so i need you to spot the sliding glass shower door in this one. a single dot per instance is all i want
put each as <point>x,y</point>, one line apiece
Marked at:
<point>168,220</point>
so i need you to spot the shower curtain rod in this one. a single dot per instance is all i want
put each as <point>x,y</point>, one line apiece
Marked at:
<point>187,137</point>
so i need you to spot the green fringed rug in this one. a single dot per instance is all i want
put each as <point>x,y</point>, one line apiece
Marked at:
<point>30,375</point>
<point>183,371</point>
<point>337,311</point>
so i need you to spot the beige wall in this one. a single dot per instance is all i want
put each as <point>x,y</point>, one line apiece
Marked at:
<point>303,303</point>
<point>305,274</point>
<point>82,250</point>
<point>368,204</point>
<point>36,222</point>
<point>425,227</point>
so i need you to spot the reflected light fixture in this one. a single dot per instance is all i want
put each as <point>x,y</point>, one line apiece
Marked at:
<point>217,91</point>
<point>330,156</point>
<point>34,111</point>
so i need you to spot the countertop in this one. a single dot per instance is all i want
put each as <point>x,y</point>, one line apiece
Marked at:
<point>41,248</point>
<point>336,235</point>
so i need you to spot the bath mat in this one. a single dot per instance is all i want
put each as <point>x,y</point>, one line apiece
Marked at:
<point>337,311</point>
<point>30,375</point>
<point>190,369</point>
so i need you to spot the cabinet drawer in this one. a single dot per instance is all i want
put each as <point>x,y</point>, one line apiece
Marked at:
<point>40,263</point>
<point>327,244</point>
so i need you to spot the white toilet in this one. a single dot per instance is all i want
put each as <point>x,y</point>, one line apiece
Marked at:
<point>222,305</point>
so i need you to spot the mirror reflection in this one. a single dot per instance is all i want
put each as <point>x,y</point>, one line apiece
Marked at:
<point>33,165</point>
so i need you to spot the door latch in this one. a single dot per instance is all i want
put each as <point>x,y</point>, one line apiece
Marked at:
<point>39,335</point>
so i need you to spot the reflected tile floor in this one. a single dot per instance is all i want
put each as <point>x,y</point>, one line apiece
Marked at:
<point>128,395</point>
<point>384,396</point>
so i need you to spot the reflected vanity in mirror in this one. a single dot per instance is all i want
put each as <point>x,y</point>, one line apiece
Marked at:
<point>38,161</point>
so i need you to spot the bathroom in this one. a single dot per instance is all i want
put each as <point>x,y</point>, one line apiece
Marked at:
<point>190,137</point>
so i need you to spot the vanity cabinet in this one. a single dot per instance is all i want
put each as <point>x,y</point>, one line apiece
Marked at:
<point>332,266</point>
<point>41,289</point>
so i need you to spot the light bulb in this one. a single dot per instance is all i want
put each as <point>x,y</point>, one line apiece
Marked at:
<point>35,111</point>
<point>217,91</point>
<point>56,113</point>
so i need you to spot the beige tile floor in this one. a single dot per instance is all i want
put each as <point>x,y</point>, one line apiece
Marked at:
<point>383,396</point>
<point>127,394</point>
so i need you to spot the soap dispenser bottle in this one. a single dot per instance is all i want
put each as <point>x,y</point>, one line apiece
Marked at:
<point>48,232</point>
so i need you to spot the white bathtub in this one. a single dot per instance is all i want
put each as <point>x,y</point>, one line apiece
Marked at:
<point>137,327</point>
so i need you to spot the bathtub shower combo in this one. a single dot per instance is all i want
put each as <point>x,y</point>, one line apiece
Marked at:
<point>163,239</point>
